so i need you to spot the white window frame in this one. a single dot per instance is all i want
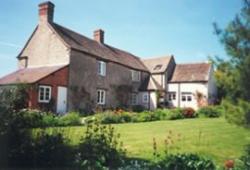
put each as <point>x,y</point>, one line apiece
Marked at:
<point>101,68</point>
<point>101,97</point>
<point>186,96</point>
<point>145,97</point>
<point>136,75</point>
<point>171,96</point>
<point>45,99</point>
<point>134,99</point>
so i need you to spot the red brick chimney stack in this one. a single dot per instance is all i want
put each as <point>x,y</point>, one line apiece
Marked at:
<point>46,12</point>
<point>99,35</point>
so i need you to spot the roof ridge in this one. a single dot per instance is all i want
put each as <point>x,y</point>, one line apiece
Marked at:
<point>116,55</point>
<point>156,58</point>
<point>195,63</point>
<point>104,44</point>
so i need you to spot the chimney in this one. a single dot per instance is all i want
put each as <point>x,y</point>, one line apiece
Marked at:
<point>46,12</point>
<point>99,35</point>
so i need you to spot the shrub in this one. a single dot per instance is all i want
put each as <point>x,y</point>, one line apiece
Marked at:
<point>186,161</point>
<point>189,112</point>
<point>209,111</point>
<point>44,151</point>
<point>100,148</point>
<point>246,158</point>
<point>107,117</point>
<point>138,108</point>
<point>237,113</point>
<point>162,113</point>
<point>175,114</point>
<point>146,116</point>
<point>49,120</point>
<point>69,119</point>
<point>26,118</point>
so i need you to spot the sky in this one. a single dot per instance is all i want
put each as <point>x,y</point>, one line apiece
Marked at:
<point>146,28</point>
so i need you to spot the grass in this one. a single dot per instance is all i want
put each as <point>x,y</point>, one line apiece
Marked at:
<point>214,138</point>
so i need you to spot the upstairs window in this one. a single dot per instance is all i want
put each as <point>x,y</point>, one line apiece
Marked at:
<point>171,96</point>
<point>44,94</point>
<point>101,68</point>
<point>136,75</point>
<point>186,96</point>
<point>101,97</point>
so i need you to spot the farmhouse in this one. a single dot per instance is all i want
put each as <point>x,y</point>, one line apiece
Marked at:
<point>68,71</point>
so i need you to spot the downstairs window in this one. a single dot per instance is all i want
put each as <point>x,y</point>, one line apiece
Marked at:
<point>44,94</point>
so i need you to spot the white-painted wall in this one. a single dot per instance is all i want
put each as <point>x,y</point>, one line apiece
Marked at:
<point>208,89</point>
<point>152,102</point>
<point>187,87</point>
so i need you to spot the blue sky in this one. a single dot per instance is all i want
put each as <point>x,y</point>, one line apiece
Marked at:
<point>146,28</point>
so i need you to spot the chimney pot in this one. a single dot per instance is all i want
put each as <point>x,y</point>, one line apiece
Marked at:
<point>99,35</point>
<point>46,12</point>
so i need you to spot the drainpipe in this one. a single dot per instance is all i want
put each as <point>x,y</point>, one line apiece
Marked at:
<point>179,95</point>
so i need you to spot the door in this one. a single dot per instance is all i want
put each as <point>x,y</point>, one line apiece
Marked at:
<point>61,100</point>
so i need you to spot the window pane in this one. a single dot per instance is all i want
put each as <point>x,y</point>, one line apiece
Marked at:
<point>189,98</point>
<point>98,96</point>
<point>183,98</point>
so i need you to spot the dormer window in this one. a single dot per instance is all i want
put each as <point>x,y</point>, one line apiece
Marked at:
<point>158,67</point>
<point>136,75</point>
<point>101,68</point>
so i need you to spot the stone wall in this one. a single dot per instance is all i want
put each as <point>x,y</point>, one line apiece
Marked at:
<point>84,82</point>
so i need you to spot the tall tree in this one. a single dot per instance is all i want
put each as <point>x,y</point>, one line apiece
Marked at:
<point>233,75</point>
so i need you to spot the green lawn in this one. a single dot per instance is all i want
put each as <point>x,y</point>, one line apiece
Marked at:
<point>211,137</point>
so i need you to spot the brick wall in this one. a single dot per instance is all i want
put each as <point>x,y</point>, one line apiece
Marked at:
<point>59,78</point>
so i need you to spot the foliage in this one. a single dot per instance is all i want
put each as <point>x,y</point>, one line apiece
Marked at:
<point>187,162</point>
<point>210,111</point>
<point>14,97</point>
<point>146,116</point>
<point>20,149</point>
<point>233,75</point>
<point>100,148</point>
<point>121,116</point>
<point>189,112</point>
<point>69,119</point>
<point>175,114</point>
<point>138,108</point>
<point>246,158</point>
<point>237,113</point>
<point>43,151</point>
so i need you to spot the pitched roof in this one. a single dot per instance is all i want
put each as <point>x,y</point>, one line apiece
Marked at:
<point>157,65</point>
<point>104,51</point>
<point>191,72</point>
<point>150,84</point>
<point>29,75</point>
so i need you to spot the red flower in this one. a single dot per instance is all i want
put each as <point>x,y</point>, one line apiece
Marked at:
<point>229,164</point>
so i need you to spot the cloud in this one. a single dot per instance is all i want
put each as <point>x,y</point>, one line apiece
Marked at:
<point>10,44</point>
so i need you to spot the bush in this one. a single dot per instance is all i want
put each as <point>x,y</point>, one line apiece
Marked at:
<point>246,158</point>
<point>175,114</point>
<point>237,113</point>
<point>189,112</point>
<point>100,148</point>
<point>146,116</point>
<point>50,120</point>
<point>27,118</point>
<point>210,111</point>
<point>138,108</point>
<point>186,161</point>
<point>69,119</point>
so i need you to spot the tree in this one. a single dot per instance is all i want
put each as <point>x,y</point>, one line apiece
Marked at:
<point>233,75</point>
